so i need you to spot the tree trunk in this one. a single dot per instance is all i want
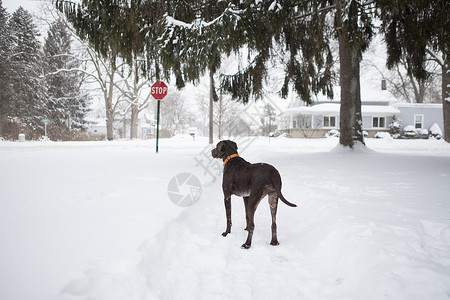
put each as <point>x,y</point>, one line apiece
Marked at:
<point>211,103</point>
<point>135,109</point>
<point>109,124</point>
<point>350,112</point>
<point>220,117</point>
<point>134,122</point>
<point>446,97</point>
<point>109,108</point>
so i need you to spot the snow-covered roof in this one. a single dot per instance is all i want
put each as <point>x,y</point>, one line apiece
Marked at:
<point>422,105</point>
<point>379,109</point>
<point>370,91</point>
<point>334,108</point>
<point>318,108</point>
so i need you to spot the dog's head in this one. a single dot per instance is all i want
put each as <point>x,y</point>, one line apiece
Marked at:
<point>224,149</point>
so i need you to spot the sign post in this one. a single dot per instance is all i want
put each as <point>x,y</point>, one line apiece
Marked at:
<point>158,91</point>
<point>157,124</point>
<point>45,121</point>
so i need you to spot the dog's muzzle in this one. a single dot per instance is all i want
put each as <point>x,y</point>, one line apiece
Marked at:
<point>214,153</point>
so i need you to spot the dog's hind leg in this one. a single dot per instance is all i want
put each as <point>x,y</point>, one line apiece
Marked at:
<point>253,202</point>
<point>273,203</point>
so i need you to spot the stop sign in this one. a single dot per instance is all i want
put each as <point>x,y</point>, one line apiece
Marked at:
<point>159,90</point>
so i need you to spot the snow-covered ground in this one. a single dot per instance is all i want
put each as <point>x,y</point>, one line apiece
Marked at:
<point>94,221</point>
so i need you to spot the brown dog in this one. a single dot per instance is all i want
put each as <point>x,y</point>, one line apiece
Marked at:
<point>250,181</point>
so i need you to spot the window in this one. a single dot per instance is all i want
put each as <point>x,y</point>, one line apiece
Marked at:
<point>329,121</point>
<point>418,121</point>
<point>303,121</point>
<point>379,122</point>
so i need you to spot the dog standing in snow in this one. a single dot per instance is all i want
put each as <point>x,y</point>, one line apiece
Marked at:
<point>252,182</point>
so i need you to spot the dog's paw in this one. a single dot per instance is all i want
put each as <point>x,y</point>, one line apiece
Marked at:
<point>245,246</point>
<point>274,243</point>
<point>225,234</point>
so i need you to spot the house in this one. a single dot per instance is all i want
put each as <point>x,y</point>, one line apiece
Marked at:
<point>316,120</point>
<point>377,116</point>
<point>420,115</point>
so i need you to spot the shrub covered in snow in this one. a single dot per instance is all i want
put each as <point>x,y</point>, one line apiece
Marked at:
<point>409,132</point>
<point>382,135</point>
<point>424,134</point>
<point>435,131</point>
<point>395,127</point>
<point>332,133</point>
<point>44,138</point>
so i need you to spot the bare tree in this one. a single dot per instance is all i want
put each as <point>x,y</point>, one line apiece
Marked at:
<point>175,113</point>
<point>405,86</point>
<point>135,93</point>
<point>226,114</point>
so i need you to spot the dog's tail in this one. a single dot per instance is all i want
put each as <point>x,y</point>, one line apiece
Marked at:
<point>284,200</point>
<point>276,181</point>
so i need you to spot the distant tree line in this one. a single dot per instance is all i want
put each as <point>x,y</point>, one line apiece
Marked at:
<point>32,86</point>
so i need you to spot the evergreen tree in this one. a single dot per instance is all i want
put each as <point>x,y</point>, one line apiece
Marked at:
<point>355,29</point>
<point>5,55</point>
<point>28,89</point>
<point>300,29</point>
<point>415,29</point>
<point>122,29</point>
<point>304,28</point>
<point>192,35</point>
<point>193,40</point>
<point>66,100</point>
<point>183,36</point>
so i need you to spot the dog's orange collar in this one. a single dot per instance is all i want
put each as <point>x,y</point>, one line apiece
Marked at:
<point>228,158</point>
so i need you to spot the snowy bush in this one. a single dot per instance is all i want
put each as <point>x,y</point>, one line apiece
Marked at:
<point>44,139</point>
<point>424,133</point>
<point>332,133</point>
<point>409,132</point>
<point>395,127</point>
<point>276,133</point>
<point>382,135</point>
<point>435,131</point>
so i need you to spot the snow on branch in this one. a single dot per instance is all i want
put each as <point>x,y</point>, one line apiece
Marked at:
<point>199,24</point>
<point>320,10</point>
<point>435,57</point>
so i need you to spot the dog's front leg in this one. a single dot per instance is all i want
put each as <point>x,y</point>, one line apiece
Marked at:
<point>250,212</point>
<point>228,213</point>
<point>246,211</point>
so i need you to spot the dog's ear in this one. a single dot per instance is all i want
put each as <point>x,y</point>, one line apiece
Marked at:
<point>221,148</point>
<point>234,145</point>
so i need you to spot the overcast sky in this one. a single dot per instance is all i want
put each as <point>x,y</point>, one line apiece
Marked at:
<point>12,5</point>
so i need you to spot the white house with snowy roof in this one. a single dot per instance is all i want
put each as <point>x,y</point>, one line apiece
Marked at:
<point>316,120</point>
<point>377,115</point>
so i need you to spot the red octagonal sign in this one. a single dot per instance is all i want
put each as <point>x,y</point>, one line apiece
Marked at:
<point>159,90</point>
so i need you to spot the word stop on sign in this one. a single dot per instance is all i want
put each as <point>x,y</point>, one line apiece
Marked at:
<point>159,90</point>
